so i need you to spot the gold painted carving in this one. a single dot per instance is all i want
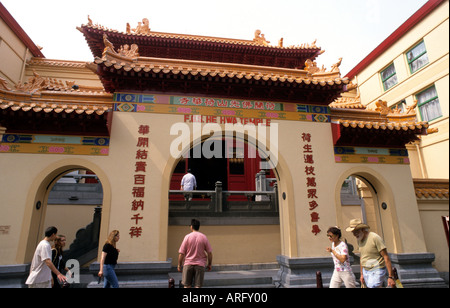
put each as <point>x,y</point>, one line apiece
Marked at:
<point>312,68</point>
<point>396,114</point>
<point>142,27</point>
<point>126,50</point>
<point>129,52</point>
<point>38,83</point>
<point>411,109</point>
<point>382,107</point>
<point>308,46</point>
<point>4,84</point>
<point>109,47</point>
<point>335,67</point>
<point>260,39</point>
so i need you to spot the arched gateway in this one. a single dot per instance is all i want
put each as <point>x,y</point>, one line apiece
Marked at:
<point>167,96</point>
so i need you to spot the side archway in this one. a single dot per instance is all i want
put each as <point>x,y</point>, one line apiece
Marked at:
<point>384,214</point>
<point>36,203</point>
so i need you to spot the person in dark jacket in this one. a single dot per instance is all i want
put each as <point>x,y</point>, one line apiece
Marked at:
<point>108,262</point>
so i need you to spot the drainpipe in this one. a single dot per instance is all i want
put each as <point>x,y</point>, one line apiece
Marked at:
<point>22,72</point>
<point>421,162</point>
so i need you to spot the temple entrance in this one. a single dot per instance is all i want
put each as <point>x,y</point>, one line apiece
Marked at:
<point>235,201</point>
<point>236,166</point>
<point>207,171</point>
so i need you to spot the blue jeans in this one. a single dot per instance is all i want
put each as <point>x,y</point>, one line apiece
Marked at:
<point>110,276</point>
<point>375,278</point>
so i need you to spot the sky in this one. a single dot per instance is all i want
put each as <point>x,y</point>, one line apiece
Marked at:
<point>350,29</point>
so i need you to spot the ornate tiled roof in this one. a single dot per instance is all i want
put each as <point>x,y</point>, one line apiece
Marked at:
<point>384,126</point>
<point>56,107</point>
<point>257,51</point>
<point>51,106</point>
<point>431,188</point>
<point>379,118</point>
<point>258,40</point>
<point>356,124</point>
<point>53,95</point>
<point>124,67</point>
<point>203,68</point>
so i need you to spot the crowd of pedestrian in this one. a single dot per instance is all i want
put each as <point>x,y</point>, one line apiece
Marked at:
<point>195,257</point>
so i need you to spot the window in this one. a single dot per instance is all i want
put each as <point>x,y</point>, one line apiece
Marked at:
<point>428,103</point>
<point>417,57</point>
<point>389,77</point>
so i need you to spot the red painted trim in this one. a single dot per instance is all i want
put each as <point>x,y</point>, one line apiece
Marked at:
<point>17,29</point>
<point>336,132</point>
<point>426,9</point>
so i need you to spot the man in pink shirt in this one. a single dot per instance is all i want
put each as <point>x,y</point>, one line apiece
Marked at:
<point>196,254</point>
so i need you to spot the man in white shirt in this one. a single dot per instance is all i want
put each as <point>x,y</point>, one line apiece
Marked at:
<point>42,265</point>
<point>188,183</point>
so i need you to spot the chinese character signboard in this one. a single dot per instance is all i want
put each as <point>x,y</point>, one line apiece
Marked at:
<point>311,183</point>
<point>138,190</point>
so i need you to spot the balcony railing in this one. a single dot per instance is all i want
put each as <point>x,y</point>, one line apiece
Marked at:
<point>223,205</point>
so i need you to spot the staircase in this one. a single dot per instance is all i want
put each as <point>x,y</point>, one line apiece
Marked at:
<point>237,276</point>
<point>85,246</point>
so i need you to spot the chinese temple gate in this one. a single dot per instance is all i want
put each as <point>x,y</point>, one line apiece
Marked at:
<point>270,135</point>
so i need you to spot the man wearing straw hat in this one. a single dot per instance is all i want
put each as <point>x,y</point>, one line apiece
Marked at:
<point>375,261</point>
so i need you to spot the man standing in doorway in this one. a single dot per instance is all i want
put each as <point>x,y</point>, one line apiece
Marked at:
<point>195,254</point>
<point>188,183</point>
<point>42,265</point>
<point>375,262</point>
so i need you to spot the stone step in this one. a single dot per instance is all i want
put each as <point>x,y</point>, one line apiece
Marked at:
<point>235,278</point>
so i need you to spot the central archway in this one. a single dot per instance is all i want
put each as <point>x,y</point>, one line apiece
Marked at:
<point>286,231</point>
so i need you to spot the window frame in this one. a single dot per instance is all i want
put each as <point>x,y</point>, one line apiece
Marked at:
<point>417,57</point>
<point>420,104</point>
<point>383,81</point>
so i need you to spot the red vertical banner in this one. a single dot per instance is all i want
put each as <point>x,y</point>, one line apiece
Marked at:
<point>311,183</point>
<point>139,178</point>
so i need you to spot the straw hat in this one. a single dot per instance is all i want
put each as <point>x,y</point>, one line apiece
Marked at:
<point>356,224</point>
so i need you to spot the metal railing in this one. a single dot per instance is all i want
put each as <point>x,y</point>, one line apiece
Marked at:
<point>228,203</point>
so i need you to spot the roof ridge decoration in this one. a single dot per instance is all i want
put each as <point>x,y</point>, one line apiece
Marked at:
<point>396,115</point>
<point>348,102</point>
<point>37,84</point>
<point>56,63</point>
<point>143,29</point>
<point>311,68</point>
<point>125,51</point>
<point>261,40</point>
<point>4,85</point>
